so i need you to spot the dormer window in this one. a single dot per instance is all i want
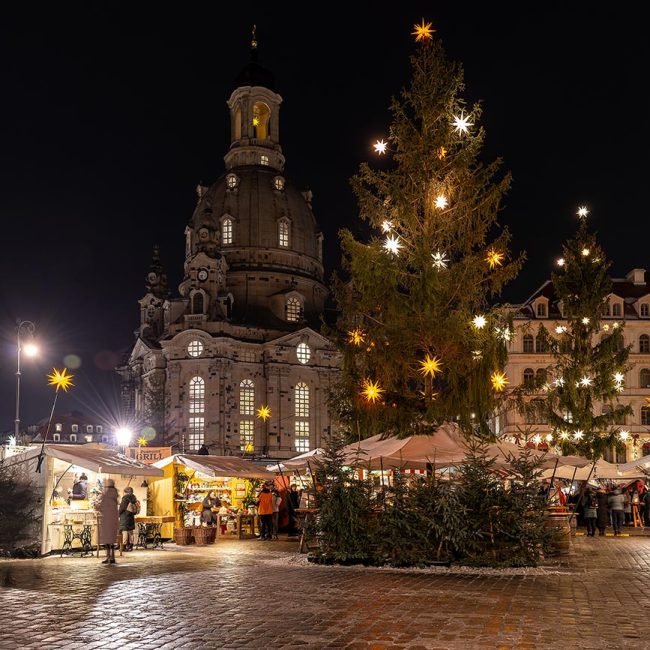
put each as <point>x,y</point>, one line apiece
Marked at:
<point>232,181</point>
<point>264,160</point>
<point>617,310</point>
<point>226,231</point>
<point>278,183</point>
<point>644,311</point>
<point>58,427</point>
<point>541,310</point>
<point>283,233</point>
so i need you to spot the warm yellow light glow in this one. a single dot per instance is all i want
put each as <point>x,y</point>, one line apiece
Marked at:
<point>356,336</point>
<point>123,436</point>
<point>380,147</point>
<point>564,435</point>
<point>430,366</point>
<point>60,379</point>
<point>494,258</point>
<point>461,123</point>
<point>623,435</point>
<point>647,401</point>
<point>537,438</point>
<point>264,412</point>
<point>585,320</point>
<point>423,32</point>
<point>619,377</point>
<point>479,322</point>
<point>441,202</point>
<point>582,211</point>
<point>560,261</point>
<point>442,152</point>
<point>606,328</point>
<point>499,380</point>
<point>616,325</point>
<point>440,260</point>
<point>386,225</point>
<point>392,244</point>
<point>256,121</point>
<point>371,391</point>
<point>142,441</point>
<point>549,437</point>
<point>560,329</point>
<point>477,355</point>
<point>586,381</point>
<point>585,252</point>
<point>30,350</point>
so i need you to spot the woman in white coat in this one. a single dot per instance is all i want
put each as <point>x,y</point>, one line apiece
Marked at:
<point>108,520</point>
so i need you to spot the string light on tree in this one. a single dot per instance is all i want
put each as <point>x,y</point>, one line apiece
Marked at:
<point>441,202</point>
<point>380,147</point>
<point>560,261</point>
<point>442,153</point>
<point>505,334</point>
<point>430,366</point>
<point>386,226</point>
<point>560,329</point>
<point>585,320</point>
<point>392,244</point>
<point>423,32</point>
<point>624,435</point>
<point>371,391</point>
<point>356,336</point>
<point>585,252</point>
<point>461,123</point>
<point>479,322</point>
<point>499,380</point>
<point>440,260</point>
<point>619,377</point>
<point>586,381</point>
<point>578,434</point>
<point>494,258</point>
<point>583,211</point>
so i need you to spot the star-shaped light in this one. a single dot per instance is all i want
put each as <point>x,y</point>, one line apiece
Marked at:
<point>584,252</point>
<point>623,434</point>
<point>560,261</point>
<point>479,322</point>
<point>142,441</point>
<point>380,147</point>
<point>499,380</point>
<point>256,121</point>
<point>582,211</point>
<point>60,379</point>
<point>560,329</point>
<point>578,434</point>
<point>441,202</point>
<point>505,334</point>
<point>619,377</point>
<point>606,328</point>
<point>559,382</point>
<point>442,152</point>
<point>461,123</point>
<point>386,225</point>
<point>356,336</point>
<point>423,32</point>
<point>430,366</point>
<point>440,260</point>
<point>371,391</point>
<point>585,320</point>
<point>647,401</point>
<point>537,438</point>
<point>616,325</point>
<point>586,381</point>
<point>477,355</point>
<point>264,412</point>
<point>494,258</point>
<point>564,435</point>
<point>392,244</point>
<point>549,437</point>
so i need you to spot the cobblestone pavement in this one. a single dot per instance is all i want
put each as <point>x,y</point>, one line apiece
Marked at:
<point>263,595</point>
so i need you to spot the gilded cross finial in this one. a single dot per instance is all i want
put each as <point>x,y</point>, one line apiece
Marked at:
<point>254,38</point>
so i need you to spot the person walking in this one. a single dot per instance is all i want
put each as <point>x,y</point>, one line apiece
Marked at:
<point>590,510</point>
<point>602,514</point>
<point>293,503</point>
<point>277,500</point>
<point>108,520</point>
<point>627,496</point>
<point>265,511</point>
<point>616,503</point>
<point>128,510</point>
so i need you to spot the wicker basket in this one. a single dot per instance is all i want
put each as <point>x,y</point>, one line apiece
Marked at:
<point>203,535</point>
<point>183,536</point>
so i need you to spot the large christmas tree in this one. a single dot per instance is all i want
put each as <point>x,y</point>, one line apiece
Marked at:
<point>589,358</point>
<point>421,343</point>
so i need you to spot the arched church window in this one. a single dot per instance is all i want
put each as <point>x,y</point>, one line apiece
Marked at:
<point>261,117</point>
<point>246,397</point>
<point>238,123</point>
<point>197,395</point>
<point>303,353</point>
<point>294,309</point>
<point>226,231</point>
<point>301,431</point>
<point>283,233</point>
<point>197,303</point>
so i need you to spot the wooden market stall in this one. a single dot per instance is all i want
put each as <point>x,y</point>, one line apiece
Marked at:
<point>188,479</point>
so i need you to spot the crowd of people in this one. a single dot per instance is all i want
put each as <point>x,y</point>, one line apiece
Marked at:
<point>269,502</point>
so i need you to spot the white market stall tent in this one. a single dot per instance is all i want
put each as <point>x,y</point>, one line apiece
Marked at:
<point>600,470</point>
<point>61,466</point>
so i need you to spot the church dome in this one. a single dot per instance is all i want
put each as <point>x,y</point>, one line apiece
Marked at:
<point>254,74</point>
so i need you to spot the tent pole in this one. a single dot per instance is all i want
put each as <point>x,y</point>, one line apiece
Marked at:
<point>550,487</point>
<point>60,478</point>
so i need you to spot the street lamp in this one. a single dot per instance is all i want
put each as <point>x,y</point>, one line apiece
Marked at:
<point>123,437</point>
<point>25,328</point>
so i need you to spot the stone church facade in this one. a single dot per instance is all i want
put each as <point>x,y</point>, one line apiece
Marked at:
<point>243,332</point>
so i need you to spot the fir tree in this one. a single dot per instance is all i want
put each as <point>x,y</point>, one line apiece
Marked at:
<point>413,354</point>
<point>589,357</point>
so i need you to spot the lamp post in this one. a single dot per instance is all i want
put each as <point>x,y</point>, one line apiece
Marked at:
<point>123,437</point>
<point>24,328</point>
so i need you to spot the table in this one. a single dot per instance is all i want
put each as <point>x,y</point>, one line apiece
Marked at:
<point>149,528</point>
<point>244,524</point>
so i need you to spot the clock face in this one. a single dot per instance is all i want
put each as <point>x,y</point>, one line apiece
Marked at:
<point>152,277</point>
<point>203,274</point>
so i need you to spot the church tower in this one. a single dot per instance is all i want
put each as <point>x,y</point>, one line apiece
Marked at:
<point>243,331</point>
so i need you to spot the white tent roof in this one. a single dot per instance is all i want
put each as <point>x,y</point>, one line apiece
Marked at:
<point>636,464</point>
<point>228,466</point>
<point>602,470</point>
<point>297,462</point>
<point>95,458</point>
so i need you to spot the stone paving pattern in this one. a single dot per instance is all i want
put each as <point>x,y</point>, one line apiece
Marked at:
<point>254,594</point>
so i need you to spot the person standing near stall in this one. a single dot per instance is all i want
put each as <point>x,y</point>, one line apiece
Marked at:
<point>277,500</point>
<point>108,520</point>
<point>265,511</point>
<point>590,509</point>
<point>210,506</point>
<point>127,511</point>
<point>602,515</point>
<point>293,503</point>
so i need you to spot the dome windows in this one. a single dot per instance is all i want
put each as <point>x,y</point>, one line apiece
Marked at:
<point>232,181</point>
<point>195,348</point>
<point>226,231</point>
<point>303,353</point>
<point>278,183</point>
<point>294,310</point>
<point>264,160</point>
<point>283,233</point>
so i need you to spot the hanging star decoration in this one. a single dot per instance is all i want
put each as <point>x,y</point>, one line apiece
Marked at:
<point>623,434</point>
<point>142,441</point>
<point>461,123</point>
<point>440,260</point>
<point>380,147</point>
<point>586,381</point>
<point>430,366</point>
<point>442,152</point>
<point>494,258</point>
<point>392,245</point>
<point>479,322</point>
<point>578,434</point>
<point>371,391</point>
<point>441,202</point>
<point>560,261</point>
<point>256,121</point>
<point>647,401</point>
<point>585,320</point>
<point>423,32</point>
<point>264,412</point>
<point>356,336</point>
<point>560,329</point>
<point>60,379</point>
<point>386,225</point>
<point>499,380</point>
<point>582,211</point>
<point>585,252</point>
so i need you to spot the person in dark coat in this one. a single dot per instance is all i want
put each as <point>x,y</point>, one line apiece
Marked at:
<point>80,488</point>
<point>108,520</point>
<point>293,503</point>
<point>211,505</point>
<point>590,509</point>
<point>127,518</point>
<point>602,517</point>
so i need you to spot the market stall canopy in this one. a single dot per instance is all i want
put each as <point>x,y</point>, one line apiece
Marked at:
<point>639,464</point>
<point>94,458</point>
<point>297,462</point>
<point>229,466</point>
<point>601,470</point>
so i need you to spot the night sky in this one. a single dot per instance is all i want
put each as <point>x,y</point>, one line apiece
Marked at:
<point>112,112</point>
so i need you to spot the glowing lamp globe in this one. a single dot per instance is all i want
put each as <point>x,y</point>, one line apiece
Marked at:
<point>123,436</point>
<point>30,350</point>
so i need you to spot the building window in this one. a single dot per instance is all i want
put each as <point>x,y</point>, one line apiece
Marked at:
<point>99,428</point>
<point>246,435</point>
<point>247,356</point>
<point>645,415</point>
<point>195,348</point>
<point>89,428</point>
<point>528,344</point>
<point>616,309</point>
<point>226,231</point>
<point>246,397</point>
<point>197,395</point>
<point>645,310</point>
<point>644,344</point>
<point>302,436</point>
<point>261,117</point>
<point>75,428</point>
<point>293,310</point>
<point>264,160</point>
<point>540,377</point>
<point>56,437</point>
<point>541,310</point>
<point>197,303</point>
<point>529,378</point>
<point>619,418</point>
<point>301,397</point>
<point>606,309</point>
<point>283,233</point>
<point>278,183</point>
<point>541,344</point>
<point>614,455</point>
<point>73,437</point>
<point>232,181</point>
<point>196,431</point>
<point>644,378</point>
<point>303,353</point>
<point>58,427</point>
<point>89,438</point>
